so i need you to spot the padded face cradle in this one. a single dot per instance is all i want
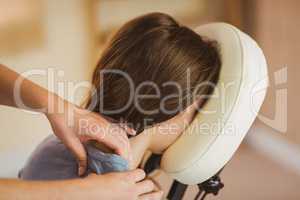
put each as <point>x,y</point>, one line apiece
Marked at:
<point>217,131</point>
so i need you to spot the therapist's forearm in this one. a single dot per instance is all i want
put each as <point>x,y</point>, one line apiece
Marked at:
<point>121,185</point>
<point>12,189</point>
<point>27,95</point>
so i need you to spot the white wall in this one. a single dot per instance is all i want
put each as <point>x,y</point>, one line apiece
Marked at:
<point>66,47</point>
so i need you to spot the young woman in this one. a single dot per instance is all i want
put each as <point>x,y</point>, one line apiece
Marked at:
<point>154,75</point>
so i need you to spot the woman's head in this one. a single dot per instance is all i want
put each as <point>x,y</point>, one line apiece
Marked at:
<point>152,69</point>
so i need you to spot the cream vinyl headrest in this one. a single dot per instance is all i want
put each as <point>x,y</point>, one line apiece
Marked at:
<point>216,133</point>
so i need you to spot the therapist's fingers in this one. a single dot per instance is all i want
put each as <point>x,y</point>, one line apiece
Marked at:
<point>103,130</point>
<point>136,175</point>
<point>145,187</point>
<point>152,196</point>
<point>116,138</point>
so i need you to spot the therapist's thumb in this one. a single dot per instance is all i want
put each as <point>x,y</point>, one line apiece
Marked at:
<point>78,150</point>
<point>82,162</point>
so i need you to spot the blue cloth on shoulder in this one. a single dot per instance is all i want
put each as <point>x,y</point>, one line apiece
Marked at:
<point>51,160</point>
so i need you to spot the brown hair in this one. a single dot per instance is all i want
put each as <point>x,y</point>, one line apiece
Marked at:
<point>154,48</point>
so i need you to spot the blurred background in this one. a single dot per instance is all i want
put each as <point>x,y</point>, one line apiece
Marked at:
<point>69,35</point>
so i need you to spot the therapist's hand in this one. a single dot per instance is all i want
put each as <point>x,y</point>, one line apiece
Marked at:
<point>75,126</point>
<point>121,185</point>
<point>72,125</point>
